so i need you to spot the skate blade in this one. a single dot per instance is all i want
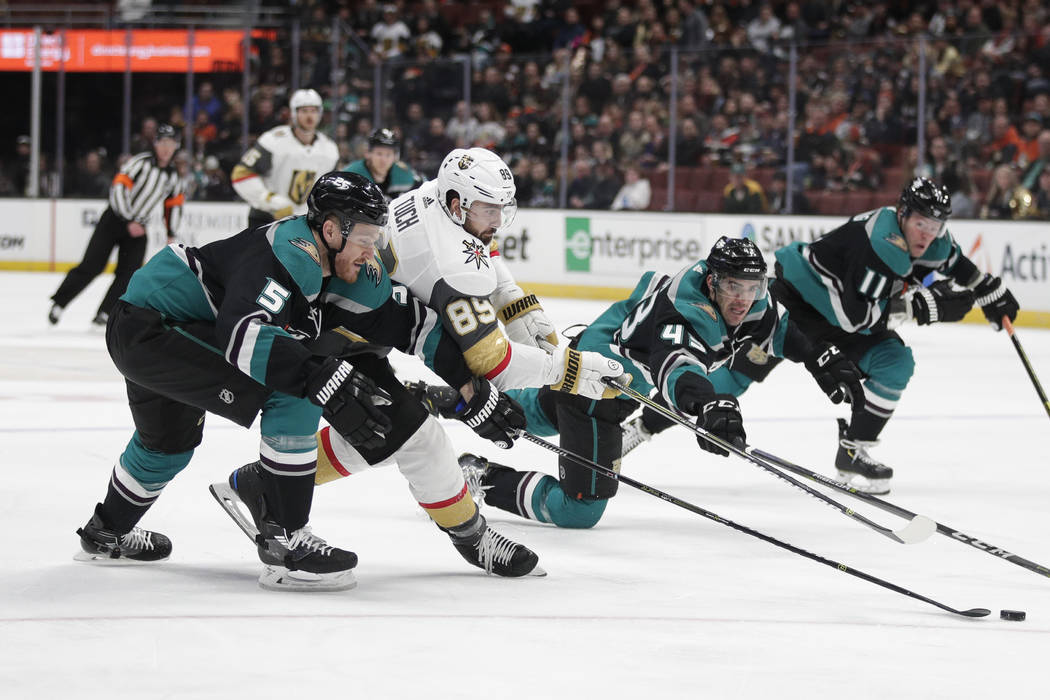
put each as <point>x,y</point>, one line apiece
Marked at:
<point>538,571</point>
<point>106,560</point>
<point>278,578</point>
<point>235,508</point>
<point>876,487</point>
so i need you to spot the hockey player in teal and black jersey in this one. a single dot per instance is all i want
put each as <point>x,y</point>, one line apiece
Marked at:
<point>382,166</point>
<point>675,334</point>
<point>856,283</point>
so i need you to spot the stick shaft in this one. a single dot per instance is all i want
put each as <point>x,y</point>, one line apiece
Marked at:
<point>1027,365</point>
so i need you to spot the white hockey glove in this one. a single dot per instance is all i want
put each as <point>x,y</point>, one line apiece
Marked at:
<point>279,205</point>
<point>526,323</point>
<point>576,372</point>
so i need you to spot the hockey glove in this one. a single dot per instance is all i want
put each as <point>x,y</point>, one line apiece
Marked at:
<point>349,401</point>
<point>721,418</point>
<point>279,205</point>
<point>492,415</point>
<point>581,372</point>
<point>836,374</point>
<point>440,401</point>
<point>525,322</point>
<point>940,303</point>
<point>995,300</point>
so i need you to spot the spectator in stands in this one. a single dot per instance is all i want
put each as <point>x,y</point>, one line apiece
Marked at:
<point>1006,198</point>
<point>89,179</point>
<point>1005,144</point>
<point>215,184</point>
<point>636,192</point>
<point>1040,163</point>
<point>1028,151</point>
<point>143,140</point>
<point>607,184</point>
<point>264,117</point>
<point>18,171</point>
<point>489,132</point>
<point>544,189</point>
<point>633,138</point>
<point>463,126</point>
<point>778,202</point>
<point>206,101</point>
<point>763,29</point>
<point>742,195</point>
<point>959,183</point>
<point>390,36</point>
<point>1042,195</point>
<point>581,188</point>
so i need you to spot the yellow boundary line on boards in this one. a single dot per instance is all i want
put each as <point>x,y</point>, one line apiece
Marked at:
<point>1029,319</point>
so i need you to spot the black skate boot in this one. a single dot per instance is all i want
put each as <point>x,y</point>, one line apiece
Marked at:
<point>440,401</point>
<point>856,468</point>
<point>474,468</point>
<point>104,545</point>
<point>100,320</point>
<point>54,314</point>
<point>487,549</point>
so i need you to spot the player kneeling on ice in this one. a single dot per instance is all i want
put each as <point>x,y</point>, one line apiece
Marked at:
<point>856,283</point>
<point>366,319</point>
<point>221,329</point>
<point>673,334</point>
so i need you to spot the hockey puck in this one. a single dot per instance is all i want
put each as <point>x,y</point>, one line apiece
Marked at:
<point>1016,615</point>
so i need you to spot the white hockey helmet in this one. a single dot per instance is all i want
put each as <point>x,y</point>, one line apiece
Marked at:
<point>305,98</point>
<point>476,175</point>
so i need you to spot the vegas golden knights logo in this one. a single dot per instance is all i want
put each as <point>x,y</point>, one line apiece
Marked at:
<point>299,187</point>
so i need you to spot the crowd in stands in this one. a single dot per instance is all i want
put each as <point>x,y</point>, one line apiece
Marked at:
<point>985,125</point>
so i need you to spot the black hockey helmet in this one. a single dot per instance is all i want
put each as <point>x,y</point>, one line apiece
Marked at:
<point>351,197</point>
<point>925,197</point>
<point>167,131</point>
<point>384,137</point>
<point>733,259</point>
<point>736,257</point>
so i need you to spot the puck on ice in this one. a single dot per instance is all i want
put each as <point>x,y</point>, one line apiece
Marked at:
<point>1011,615</point>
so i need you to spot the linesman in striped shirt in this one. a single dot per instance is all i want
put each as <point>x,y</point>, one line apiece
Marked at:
<point>145,182</point>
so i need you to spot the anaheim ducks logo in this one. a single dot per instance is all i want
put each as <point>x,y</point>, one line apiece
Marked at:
<point>707,309</point>
<point>372,272</point>
<point>757,355</point>
<point>476,253</point>
<point>307,247</point>
<point>465,162</point>
<point>897,241</point>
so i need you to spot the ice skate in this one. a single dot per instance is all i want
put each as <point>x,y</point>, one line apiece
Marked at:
<point>100,320</point>
<point>856,467</point>
<point>474,468</point>
<point>634,434</point>
<point>487,549</point>
<point>300,561</point>
<point>104,545</point>
<point>54,314</point>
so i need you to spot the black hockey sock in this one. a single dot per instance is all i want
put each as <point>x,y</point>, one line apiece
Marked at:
<point>118,513</point>
<point>288,498</point>
<point>503,487</point>
<point>866,426</point>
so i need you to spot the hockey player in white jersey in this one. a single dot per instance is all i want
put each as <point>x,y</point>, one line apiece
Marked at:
<point>441,247</point>
<point>275,175</point>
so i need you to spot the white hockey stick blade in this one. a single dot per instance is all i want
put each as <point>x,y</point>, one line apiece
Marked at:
<point>918,529</point>
<point>278,578</point>
<point>233,505</point>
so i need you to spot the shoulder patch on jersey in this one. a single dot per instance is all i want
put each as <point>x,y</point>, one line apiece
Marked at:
<point>706,308</point>
<point>308,247</point>
<point>372,272</point>
<point>898,241</point>
<point>475,251</point>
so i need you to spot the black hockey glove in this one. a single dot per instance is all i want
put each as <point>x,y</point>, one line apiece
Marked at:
<point>940,303</point>
<point>995,300</point>
<point>348,399</point>
<point>836,374</point>
<point>439,400</point>
<point>721,418</point>
<point>492,415</point>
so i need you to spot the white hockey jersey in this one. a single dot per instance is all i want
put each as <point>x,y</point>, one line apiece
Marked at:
<point>275,175</point>
<point>461,278</point>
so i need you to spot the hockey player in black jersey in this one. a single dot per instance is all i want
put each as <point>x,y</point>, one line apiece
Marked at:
<point>675,334</point>
<point>856,283</point>
<point>221,329</point>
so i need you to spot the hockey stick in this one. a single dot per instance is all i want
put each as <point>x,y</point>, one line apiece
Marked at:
<point>905,513</point>
<point>605,471</point>
<point>919,528</point>
<point>1027,365</point>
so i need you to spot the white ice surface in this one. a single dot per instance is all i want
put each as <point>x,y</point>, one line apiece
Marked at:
<point>655,602</point>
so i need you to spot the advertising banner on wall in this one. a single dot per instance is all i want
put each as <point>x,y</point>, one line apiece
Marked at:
<point>585,254</point>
